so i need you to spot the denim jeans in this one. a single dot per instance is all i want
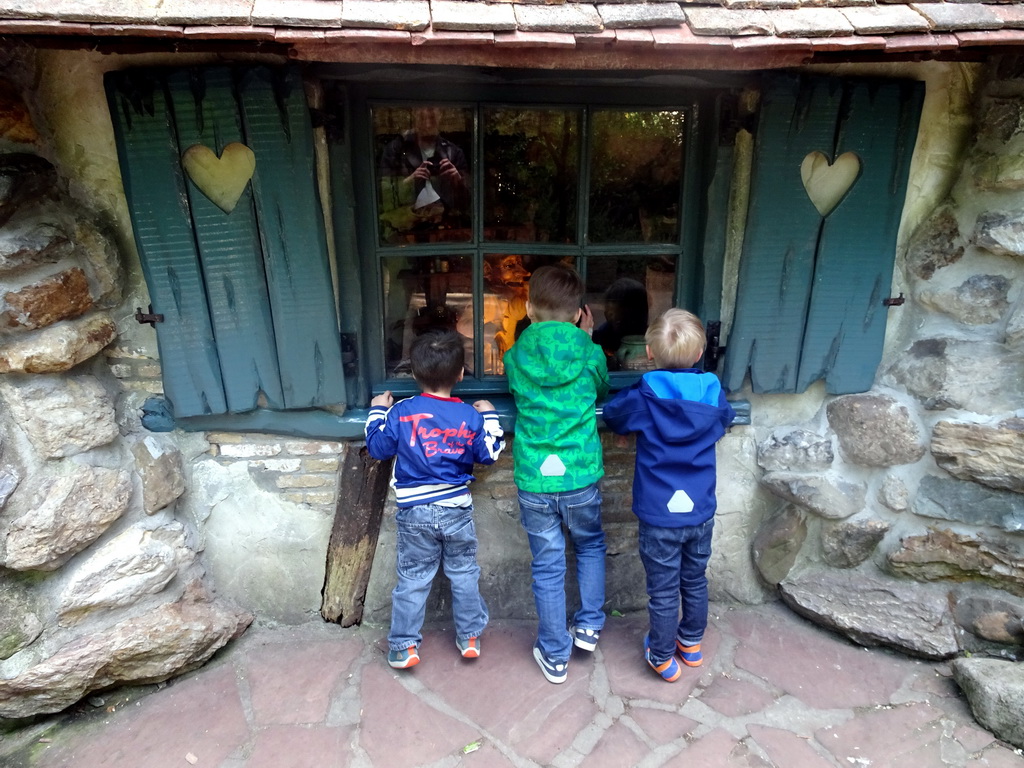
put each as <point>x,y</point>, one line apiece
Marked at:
<point>543,515</point>
<point>676,560</point>
<point>429,535</point>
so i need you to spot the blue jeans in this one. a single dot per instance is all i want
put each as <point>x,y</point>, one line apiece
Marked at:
<point>676,560</point>
<point>543,515</point>
<point>429,535</point>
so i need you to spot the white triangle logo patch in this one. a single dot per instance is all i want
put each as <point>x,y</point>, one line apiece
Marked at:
<point>552,467</point>
<point>680,503</point>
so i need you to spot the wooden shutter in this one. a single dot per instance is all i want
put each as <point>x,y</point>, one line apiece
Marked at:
<point>809,300</point>
<point>258,281</point>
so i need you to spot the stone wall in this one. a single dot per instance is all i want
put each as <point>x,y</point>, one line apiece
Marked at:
<point>899,518</point>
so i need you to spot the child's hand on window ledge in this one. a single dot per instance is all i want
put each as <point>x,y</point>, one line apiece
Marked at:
<point>484,405</point>
<point>586,320</point>
<point>385,400</point>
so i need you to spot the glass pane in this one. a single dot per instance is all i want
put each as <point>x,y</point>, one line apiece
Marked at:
<point>423,294</point>
<point>624,293</point>
<point>636,166</point>
<point>531,168</point>
<point>506,289</point>
<point>423,173</point>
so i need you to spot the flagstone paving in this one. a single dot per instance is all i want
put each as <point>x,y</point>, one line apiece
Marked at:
<point>773,691</point>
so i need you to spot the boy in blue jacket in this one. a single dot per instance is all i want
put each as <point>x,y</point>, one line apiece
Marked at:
<point>678,413</point>
<point>436,438</point>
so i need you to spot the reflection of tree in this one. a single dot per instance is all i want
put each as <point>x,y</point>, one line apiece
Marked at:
<point>531,161</point>
<point>635,174</point>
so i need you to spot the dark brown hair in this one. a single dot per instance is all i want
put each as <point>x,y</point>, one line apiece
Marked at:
<point>556,292</point>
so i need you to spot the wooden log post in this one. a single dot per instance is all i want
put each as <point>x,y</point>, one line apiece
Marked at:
<point>353,542</point>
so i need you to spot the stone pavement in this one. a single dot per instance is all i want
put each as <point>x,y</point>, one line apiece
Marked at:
<point>773,691</point>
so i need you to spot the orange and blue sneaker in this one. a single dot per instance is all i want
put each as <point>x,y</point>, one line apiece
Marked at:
<point>669,670</point>
<point>469,648</point>
<point>690,654</point>
<point>405,658</point>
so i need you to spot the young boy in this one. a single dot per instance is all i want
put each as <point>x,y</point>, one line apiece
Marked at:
<point>678,413</point>
<point>436,438</point>
<point>557,374</point>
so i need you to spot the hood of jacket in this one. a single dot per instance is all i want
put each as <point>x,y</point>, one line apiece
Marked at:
<point>683,408</point>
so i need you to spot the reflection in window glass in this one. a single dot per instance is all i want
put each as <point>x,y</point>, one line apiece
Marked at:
<point>531,167</point>
<point>636,166</point>
<point>423,174</point>
<point>506,289</point>
<point>421,294</point>
<point>624,294</point>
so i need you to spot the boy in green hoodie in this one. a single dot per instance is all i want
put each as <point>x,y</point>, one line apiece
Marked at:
<point>557,375</point>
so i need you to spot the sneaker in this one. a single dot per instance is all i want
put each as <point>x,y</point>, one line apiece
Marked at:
<point>405,658</point>
<point>669,670</point>
<point>469,648</point>
<point>585,638</point>
<point>555,672</point>
<point>690,654</point>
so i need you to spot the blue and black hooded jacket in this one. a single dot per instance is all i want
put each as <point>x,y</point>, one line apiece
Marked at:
<point>678,416</point>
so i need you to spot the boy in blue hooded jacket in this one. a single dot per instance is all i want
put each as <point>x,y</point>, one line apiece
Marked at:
<point>678,413</point>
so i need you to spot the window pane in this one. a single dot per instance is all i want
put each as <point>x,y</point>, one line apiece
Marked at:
<point>423,294</point>
<point>636,166</point>
<point>506,289</point>
<point>423,174</point>
<point>625,293</point>
<point>531,169</point>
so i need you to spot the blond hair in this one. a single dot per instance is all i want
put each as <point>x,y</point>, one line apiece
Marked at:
<point>676,339</point>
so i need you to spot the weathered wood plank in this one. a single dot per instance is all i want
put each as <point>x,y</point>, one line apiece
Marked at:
<point>797,117</point>
<point>277,128</point>
<point>846,320</point>
<point>354,536</point>
<point>206,113</point>
<point>155,190</point>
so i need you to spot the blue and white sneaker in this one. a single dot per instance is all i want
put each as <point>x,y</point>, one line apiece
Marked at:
<point>585,639</point>
<point>555,671</point>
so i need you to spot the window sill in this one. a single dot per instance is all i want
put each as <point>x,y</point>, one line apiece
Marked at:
<point>317,424</point>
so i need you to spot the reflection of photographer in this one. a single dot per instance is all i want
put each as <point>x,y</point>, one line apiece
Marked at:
<point>424,177</point>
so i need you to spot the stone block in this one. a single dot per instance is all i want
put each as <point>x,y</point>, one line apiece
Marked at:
<point>398,15</point>
<point>640,15</point>
<point>874,430</point>
<point>990,455</point>
<point>810,22</point>
<point>159,464</point>
<point>944,498</point>
<point>948,556</point>
<point>850,542</point>
<point>470,16</point>
<point>778,543</point>
<point>59,297</point>
<point>995,690</point>
<point>727,22</point>
<point>58,347</point>
<point>826,496</point>
<point>936,244</point>
<point>885,19</point>
<point>795,450</point>
<point>568,18</point>
<point>979,300</point>
<point>1001,232</point>
<point>19,617</point>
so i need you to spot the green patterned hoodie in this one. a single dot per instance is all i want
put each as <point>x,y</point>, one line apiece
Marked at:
<point>557,375</point>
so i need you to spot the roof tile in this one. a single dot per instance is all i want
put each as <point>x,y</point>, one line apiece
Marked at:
<point>470,16</point>
<point>445,37</point>
<point>930,42</point>
<point>39,27</point>
<point>641,15</point>
<point>633,37</point>
<point>683,37</point>
<point>760,4</point>
<point>956,16</point>
<point>810,22</point>
<point>788,44</point>
<point>534,39</point>
<point>25,9</point>
<point>299,35</point>
<point>604,37</point>
<point>105,11</point>
<point>1010,15</point>
<point>296,13</point>
<point>137,30</point>
<point>728,23</point>
<point>571,17</point>
<point>189,12</point>
<point>366,36</point>
<point>850,43</point>
<point>404,15</point>
<point>1000,37</point>
<point>221,32</point>
<point>886,19</point>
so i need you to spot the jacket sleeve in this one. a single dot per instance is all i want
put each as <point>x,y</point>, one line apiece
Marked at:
<point>729,414</point>
<point>381,438</point>
<point>622,413</point>
<point>488,448</point>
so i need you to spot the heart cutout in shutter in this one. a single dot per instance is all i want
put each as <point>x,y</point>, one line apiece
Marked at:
<point>827,183</point>
<point>222,179</point>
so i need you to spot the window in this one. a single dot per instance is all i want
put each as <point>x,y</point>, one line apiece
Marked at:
<point>470,199</point>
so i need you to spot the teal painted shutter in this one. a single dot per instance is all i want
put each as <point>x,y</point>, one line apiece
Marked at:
<point>155,191</point>
<point>278,130</point>
<point>846,320</point>
<point>257,310</point>
<point>206,113</point>
<point>810,288</point>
